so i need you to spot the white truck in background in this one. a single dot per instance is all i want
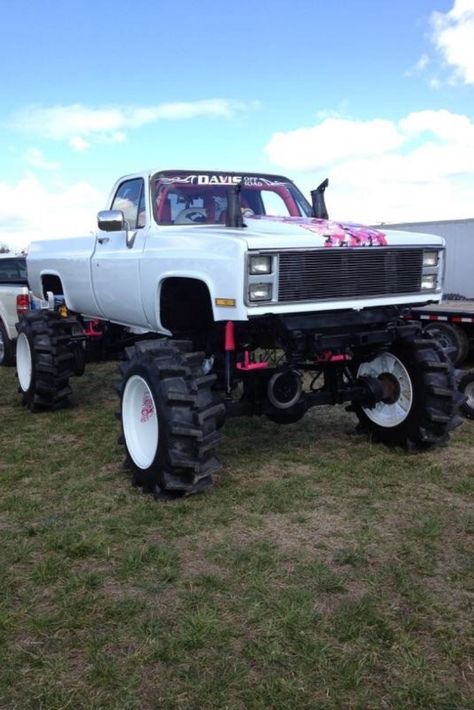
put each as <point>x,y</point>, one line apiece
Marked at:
<point>13,283</point>
<point>249,301</point>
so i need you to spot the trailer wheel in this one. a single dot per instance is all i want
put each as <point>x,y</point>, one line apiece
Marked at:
<point>422,406</point>
<point>466,386</point>
<point>169,416</point>
<point>451,337</point>
<point>6,347</point>
<point>44,362</point>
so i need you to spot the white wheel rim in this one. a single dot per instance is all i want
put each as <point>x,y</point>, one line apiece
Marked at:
<point>140,422</point>
<point>2,346</point>
<point>24,362</point>
<point>389,414</point>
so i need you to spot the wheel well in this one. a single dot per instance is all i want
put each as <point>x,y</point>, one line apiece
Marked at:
<point>185,305</point>
<point>51,282</point>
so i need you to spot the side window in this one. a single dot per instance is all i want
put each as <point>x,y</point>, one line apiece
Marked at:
<point>130,198</point>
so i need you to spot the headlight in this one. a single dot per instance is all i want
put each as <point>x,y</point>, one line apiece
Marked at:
<point>260,265</point>
<point>260,292</point>
<point>428,282</point>
<point>430,258</point>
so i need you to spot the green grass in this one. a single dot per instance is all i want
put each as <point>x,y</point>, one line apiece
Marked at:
<point>321,571</point>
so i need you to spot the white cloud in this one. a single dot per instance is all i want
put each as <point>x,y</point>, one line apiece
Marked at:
<point>30,211</point>
<point>420,66</point>
<point>444,125</point>
<point>453,36</point>
<point>420,167</point>
<point>434,83</point>
<point>37,159</point>
<point>78,124</point>
<point>332,140</point>
<point>79,143</point>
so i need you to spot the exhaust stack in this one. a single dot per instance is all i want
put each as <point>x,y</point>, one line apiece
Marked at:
<point>319,203</point>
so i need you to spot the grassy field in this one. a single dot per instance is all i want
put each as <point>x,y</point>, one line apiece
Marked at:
<point>321,571</point>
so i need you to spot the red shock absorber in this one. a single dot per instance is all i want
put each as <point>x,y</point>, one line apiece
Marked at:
<point>229,347</point>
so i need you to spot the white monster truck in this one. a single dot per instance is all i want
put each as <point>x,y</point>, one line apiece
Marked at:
<point>249,301</point>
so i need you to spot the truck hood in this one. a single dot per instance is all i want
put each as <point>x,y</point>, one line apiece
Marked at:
<point>262,232</point>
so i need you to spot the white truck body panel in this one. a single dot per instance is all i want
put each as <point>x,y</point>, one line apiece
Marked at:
<point>103,277</point>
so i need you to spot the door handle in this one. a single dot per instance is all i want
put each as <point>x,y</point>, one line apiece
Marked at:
<point>103,240</point>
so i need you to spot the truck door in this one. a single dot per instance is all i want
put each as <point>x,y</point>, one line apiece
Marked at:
<point>116,260</point>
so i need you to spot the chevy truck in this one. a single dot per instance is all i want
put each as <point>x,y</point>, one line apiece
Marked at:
<point>243,298</point>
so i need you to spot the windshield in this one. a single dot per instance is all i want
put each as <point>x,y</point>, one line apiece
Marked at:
<point>201,198</point>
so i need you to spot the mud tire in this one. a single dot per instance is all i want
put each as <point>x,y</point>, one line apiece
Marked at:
<point>44,360</point>
<point>435,399</point>
<point>466,386</point>
<point>169,418</point>
<point>452,338</point>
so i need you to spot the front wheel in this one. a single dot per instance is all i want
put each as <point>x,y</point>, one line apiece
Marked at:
<point>422,400</point>
<point>169,417</point>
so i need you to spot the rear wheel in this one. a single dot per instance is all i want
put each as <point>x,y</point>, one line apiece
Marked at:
<point>6,347</point>
<point>452,338</point>
<point>422,401</point>
<point>169,417</point>
<point>44,362</point>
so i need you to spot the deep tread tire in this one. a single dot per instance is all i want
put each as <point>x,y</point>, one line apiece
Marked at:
<point>435,398</point>
<point>466,386</point>
<point>43,339</point>
<point>7,349</point>
<point>452,338</point>
<point>163,379</point>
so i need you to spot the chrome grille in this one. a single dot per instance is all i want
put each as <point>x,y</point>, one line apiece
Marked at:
<point>336,273</point>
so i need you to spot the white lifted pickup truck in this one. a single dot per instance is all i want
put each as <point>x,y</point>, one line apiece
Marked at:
<point>249,301</point>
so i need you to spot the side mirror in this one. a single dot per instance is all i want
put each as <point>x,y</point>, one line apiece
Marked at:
<point>111,221</point>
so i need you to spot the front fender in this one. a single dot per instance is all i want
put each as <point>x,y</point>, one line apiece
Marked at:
<point>222,274</point>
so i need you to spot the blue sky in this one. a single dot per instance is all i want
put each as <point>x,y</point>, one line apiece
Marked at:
<point>377,95</point>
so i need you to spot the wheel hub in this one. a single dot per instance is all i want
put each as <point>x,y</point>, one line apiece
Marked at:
<point>395,379</point>
<point>391,388</point>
